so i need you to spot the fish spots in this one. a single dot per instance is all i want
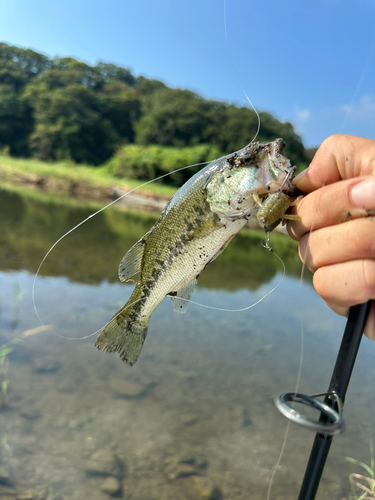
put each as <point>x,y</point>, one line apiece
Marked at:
<point>199,210</point>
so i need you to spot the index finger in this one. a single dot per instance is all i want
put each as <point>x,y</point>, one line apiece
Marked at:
<point>339,157</point>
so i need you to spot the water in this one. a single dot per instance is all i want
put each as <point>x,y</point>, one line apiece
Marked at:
<point>194,418</point>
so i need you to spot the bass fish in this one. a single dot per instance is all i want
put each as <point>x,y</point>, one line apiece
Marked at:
<point>194,228</point>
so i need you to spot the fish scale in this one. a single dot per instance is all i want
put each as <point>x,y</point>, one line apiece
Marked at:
<point>194,228</point>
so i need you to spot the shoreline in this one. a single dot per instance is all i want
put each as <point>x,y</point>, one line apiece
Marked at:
<point>85,189</point>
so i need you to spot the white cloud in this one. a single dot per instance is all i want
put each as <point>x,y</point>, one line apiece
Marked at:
<point>363,110</point>
<point>302,115</point>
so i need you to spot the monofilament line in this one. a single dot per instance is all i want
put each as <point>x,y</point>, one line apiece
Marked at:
<point>90,217</point>
<point>296,389</point>
<point>235,73</point>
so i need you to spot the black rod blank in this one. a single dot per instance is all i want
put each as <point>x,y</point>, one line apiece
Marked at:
<point>339,383</point>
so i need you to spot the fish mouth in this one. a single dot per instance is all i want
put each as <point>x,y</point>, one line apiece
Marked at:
<point>281,169</point>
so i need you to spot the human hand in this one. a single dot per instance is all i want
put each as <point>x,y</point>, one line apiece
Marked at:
<point>337,227</point>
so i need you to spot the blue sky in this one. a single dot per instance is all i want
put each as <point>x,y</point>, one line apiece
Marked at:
<point>311,62</point>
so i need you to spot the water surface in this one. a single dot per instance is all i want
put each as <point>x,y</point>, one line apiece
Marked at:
<point>194,418</point>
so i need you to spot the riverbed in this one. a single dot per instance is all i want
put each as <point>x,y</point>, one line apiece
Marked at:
<point>195,417</point>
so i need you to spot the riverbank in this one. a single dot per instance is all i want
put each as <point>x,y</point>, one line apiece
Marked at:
<point>81,183</point>
<point>94,187</point>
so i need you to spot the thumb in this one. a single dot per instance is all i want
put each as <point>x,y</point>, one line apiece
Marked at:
<point>339,157</point>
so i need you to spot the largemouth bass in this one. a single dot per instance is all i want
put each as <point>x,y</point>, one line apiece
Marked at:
<point>196,225</point>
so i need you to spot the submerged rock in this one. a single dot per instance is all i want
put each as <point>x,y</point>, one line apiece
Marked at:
<point>129,389</point>
<point>45,365</point>
<point>103,463</point>
<point>30,413</point>
<point>178,470</point>
<point>111,486</point>
<point>42,493</point>
<point>204,488</point>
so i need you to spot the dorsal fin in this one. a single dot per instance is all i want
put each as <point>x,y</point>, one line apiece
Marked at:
<point>182,298</point>
<point>132,260</point>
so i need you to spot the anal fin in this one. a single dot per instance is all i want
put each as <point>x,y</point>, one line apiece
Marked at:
<point>181,300</point>
<point>132,261</point>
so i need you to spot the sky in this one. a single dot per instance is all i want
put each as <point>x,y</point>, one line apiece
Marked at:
<point>311,62</point>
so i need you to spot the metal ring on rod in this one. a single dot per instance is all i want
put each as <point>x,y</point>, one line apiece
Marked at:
<point>336,424</point>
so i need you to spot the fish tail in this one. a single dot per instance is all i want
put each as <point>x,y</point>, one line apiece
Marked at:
<point>123,336</point>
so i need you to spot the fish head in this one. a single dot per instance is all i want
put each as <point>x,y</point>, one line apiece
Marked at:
<point>275,169</point>
<point>259,168</point>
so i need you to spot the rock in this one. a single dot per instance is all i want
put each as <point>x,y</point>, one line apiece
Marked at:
<point>42,493</point>
<point>30,413</point>
<point>128,389</point>
<point>7,471</point>
<point>37,494</point>
<point>188,418</point>
<point>204,488</point>
<point>246,420</point>
<point>45,365</point>
<point>5,475</point>
<point>103,463</point>
<point>27,495</point>
<point>111,486</point>
<point>178,470</point>
<point>7,493</point>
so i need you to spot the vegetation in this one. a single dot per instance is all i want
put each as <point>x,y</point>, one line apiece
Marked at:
<point>64,109</point>
<point>363,483</point>
<point>148,162</point>
<point>58,176</point>
<point>30,226</point>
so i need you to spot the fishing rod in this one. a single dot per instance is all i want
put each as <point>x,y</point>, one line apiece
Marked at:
<point>331,421</point>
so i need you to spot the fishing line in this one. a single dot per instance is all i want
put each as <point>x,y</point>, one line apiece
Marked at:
<point>296,389</point>
<point>247,307</point>
<point>191,302</point>
<point>100,329</point>
<point>93,215</point>
<point>303,258</point>
<point>142,185</point>
<point>359,83</point>
<point>229,55</point>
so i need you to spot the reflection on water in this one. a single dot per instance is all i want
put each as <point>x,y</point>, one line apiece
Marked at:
<point>194,418</point>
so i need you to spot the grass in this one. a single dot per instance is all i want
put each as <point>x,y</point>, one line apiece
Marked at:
<point>8,347</point>
<point>66,171</point>
<point>363,483</point>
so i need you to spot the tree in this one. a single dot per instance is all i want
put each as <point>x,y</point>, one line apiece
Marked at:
<point>17,68</point>
<point>69,124</point>
<point>79,114</point>
<point>172,117</point>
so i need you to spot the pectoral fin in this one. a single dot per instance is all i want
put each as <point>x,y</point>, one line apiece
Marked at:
<point>132,260</point>
<point>182,298</point>
<point>205,229</point>
<point>221,249</point>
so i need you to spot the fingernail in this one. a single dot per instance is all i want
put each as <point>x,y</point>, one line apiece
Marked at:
<point>300,176</point>
<point>363,194</point>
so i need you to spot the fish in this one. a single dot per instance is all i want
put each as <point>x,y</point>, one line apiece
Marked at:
<point>196,225</point>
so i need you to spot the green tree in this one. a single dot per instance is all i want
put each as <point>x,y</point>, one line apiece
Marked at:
<point>172,117</point>
<point>17,68</point>
<point>69,124</point>
<point>122,108</point>
<point>81,112</point>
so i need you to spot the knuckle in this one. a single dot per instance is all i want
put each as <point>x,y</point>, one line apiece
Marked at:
<point>362,233</point>
<point>368,277</point>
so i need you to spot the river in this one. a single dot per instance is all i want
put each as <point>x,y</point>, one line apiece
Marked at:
<point>195,417</point>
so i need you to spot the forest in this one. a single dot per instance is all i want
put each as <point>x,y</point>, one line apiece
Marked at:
<point>64,109</point>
